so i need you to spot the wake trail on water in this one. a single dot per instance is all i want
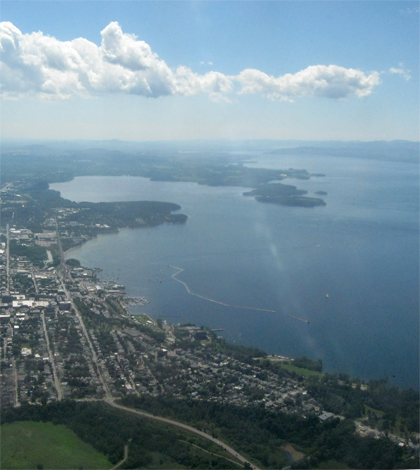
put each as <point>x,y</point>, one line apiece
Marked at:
<point>180,270</point>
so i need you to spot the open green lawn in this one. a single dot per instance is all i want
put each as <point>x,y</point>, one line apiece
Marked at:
<point>29,444</point>
<point>300,371</point>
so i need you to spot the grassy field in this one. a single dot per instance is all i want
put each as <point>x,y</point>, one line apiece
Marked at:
<point>300,371</point>
<point>32,445</point>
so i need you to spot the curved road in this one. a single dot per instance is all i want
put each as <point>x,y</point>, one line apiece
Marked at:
<point>186,427</point>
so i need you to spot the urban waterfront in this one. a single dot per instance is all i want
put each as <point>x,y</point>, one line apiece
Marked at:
<point>350,269</point>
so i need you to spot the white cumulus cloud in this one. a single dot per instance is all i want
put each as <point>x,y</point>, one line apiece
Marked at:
<point>42,66</point>
<point>322,81</point>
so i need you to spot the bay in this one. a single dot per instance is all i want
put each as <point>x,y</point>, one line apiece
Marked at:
<point>361,249</point>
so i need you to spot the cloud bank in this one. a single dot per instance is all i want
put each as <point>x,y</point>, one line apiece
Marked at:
<point>41,66</point>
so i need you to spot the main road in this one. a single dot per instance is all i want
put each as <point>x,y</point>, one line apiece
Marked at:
<point>172,422</point>
<point>62,274</point>
<point>7,260</point>
<point>52,360</point>
<point>92,349</point>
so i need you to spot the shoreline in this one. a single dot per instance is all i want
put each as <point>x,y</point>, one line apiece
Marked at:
<point>246,344</point>
<point>381,369</point>
<point>275,357</point>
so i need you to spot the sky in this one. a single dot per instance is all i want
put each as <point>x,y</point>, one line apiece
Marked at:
<point>164,70</point>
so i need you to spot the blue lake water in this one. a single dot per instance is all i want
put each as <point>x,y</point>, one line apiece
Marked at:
<point>362,249</point>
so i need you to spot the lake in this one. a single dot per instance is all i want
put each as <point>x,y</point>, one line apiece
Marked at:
<point>350,269</point>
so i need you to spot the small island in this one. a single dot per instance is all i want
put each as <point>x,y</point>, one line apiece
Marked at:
<point>293,201</point>
<point>285,195</point>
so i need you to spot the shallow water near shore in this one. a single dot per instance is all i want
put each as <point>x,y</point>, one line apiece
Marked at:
<point>350,269</point>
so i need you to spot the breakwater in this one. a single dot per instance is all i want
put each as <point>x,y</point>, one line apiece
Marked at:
<point>224,304</point>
